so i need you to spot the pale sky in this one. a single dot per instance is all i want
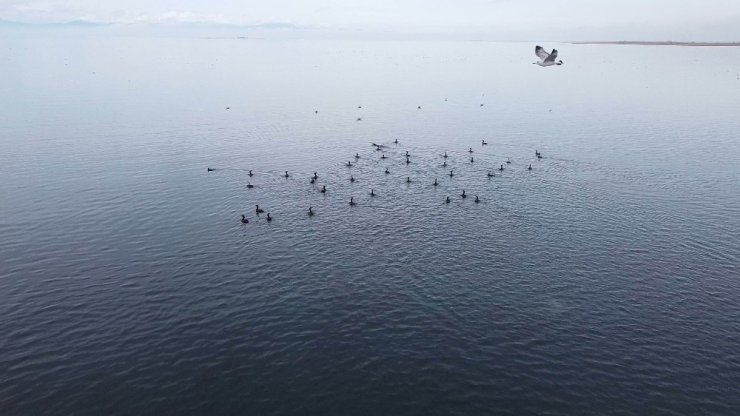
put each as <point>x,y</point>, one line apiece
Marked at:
<point>655,19</point>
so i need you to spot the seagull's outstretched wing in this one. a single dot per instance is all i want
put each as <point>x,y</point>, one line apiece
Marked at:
<point>553,56</point>
<point>540,52</point>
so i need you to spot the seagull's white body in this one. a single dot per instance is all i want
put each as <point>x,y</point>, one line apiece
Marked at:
<point>546,59</point>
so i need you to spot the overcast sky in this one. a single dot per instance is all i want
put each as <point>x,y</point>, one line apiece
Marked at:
<point>655,19</point>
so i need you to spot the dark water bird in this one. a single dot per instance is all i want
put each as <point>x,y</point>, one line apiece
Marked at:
<point>244,220</point>
<point>463,194</point>
<point>312,181</point>
<point>351,178</point>
<point>444,164</point>
<point>408,179</point>
<point>286,174</point>
<point>250,186</point>
<point>407,154</point>
<point>530,167</point>
<point>481,104</point>
<point>447,200</point>
<point>352,201</point>
<point>359,118</point>
<point>445,99</point>
<point>451,174</point>
<point>508,161</point>
<point>470,150</point>
<point>359,106</point>
<point>395,141</point>
<point>383,156</point>
<point>546,59</point>
<point>536,152</point>
<point>349,164</point>
<point>357,155</point>
<point>316,111</point>
<point>228,108</point>
<point>471,159</point>
<point>250,173</point>
<point>419,107</point>
<point>483,143</point>
<point>315,175</point>
<point>259,210</point>
<point>501,168</point>
<point>445,156</point>
<point>490,175</point>
<point>408,160</point>
<point>310,211</point>
<point>269,218</point>
<point>477,199</point>
<point>372,192</point>
<point>435,182</point>
<point>539,156</point>
<point>387,171</point>
<point>210,169</point>
<point>323,189</point>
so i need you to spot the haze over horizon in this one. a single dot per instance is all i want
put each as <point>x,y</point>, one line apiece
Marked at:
<point>711,20</point>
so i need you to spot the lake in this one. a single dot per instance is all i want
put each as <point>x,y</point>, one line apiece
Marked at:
<point>605,280</point>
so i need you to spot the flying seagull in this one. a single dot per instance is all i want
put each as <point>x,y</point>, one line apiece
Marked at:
<point>547,59</point>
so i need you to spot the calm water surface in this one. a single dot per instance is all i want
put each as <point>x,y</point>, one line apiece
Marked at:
<point>606,280</point>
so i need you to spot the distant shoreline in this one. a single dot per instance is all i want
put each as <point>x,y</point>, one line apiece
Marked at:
<point>648,43</point>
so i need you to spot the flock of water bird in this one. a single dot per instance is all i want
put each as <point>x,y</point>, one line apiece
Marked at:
<point>382,148</point>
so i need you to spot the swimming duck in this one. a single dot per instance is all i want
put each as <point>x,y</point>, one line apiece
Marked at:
<point>250,173</point>
<point>407,154</point>
<point>250,186</point>
<point>359,106</point>
<point>470,150</point>
<point>352,201</point>
<point>471,159</point>
<point>244,220</point>
<point>508,161</point>
<point>444,165</point>
<point>483,142</point>
<point>210,169</point>
<point>435,182</point>
<point>316,111</point>
<point>286,174</point>
<point>476,199</point>
<point>447,200</point>
<point>351,178</point>
<point>530,167</point>
<point>451,174</point>
<point>408,179</point>
<point>349,164</point>
<point>501,168</point>
<point>359,118</point>
<point>395,141</point>
<point>419,107</point>
<point>357,155</point>
<point>490,175</point>
<point>383,157</point>
<point>323,189</point>
<point>372,192</point>
<point>481,104</point>
<point>539,156</point>
<point>312,181</point>
<point>408,160</point>
<point>387,171</point>
<point>269,218</point>
<point>463,194</point>
<point>445,156</point>
<point>259,210</point>
<point>310,211</point>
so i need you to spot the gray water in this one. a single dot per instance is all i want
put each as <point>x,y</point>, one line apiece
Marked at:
<point>603,281</point>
